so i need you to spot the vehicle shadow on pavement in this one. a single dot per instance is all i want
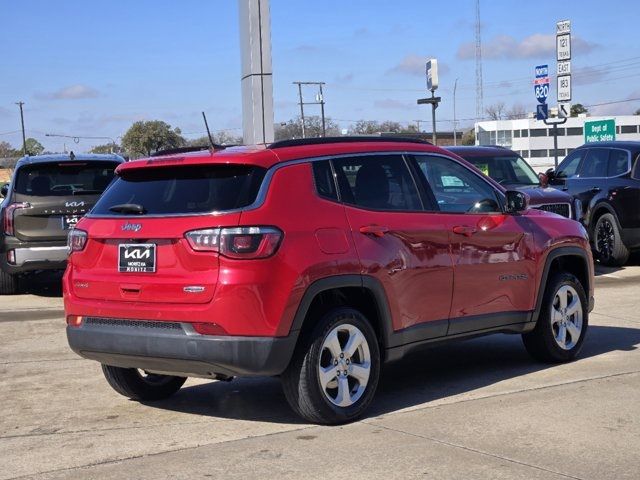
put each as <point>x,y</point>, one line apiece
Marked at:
<point>600,269</point>
<point>42,284</point>
<point>420,378</point>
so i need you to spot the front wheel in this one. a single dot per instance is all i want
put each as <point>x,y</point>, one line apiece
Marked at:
<point>141,386</point>
<point>610,249</point>
<point>333,375</point>
<point>562,322</point>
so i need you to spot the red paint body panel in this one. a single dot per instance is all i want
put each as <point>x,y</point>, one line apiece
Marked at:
<point>428,272</point>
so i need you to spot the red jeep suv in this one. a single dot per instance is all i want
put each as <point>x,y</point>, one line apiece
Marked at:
<point>315,260</point>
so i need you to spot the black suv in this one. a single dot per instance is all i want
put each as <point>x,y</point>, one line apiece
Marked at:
<point>605,179</point>
<point>46,197</point>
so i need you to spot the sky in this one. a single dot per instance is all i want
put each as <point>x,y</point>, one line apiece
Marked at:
<point>92,68</point>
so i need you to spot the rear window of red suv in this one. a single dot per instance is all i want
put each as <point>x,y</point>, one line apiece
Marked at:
<point>181,190</point>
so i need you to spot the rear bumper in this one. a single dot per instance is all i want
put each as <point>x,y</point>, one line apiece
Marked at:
<point>175,348</point>
<point>30,256</point>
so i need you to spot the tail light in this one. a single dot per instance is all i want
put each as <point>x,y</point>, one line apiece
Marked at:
<point>76,240</point>
<point>9,213</point>
<point>239,242</point>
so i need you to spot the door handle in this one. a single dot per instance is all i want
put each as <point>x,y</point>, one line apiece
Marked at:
<point>375,230</point>
<point>595,189</point>
<point>464,230</point>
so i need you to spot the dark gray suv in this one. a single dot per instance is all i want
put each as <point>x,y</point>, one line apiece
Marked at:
<point>46,197</point>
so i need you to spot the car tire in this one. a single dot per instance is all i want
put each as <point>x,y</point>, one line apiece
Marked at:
<point>607,241</point>
<point>315,383</point>
<point>562,323</point>
<point>137,385</point>
<point>8,283</point>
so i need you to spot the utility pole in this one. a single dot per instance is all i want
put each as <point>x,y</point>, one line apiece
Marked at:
<point>418,122</point>
<point>319,101</point>
<point>455,134</point>
<point>24,139</point>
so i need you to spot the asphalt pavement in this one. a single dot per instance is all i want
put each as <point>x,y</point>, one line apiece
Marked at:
<point>476,409</point>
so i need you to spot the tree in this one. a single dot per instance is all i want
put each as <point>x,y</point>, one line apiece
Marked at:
<point>33,146</point>
<point>516,111</point>
<point>469,137</point>
<point>312,126</point>
<point>220,138</point>
<point>637,112</point>
<point>145,138</point>
<point>372,127</point>
<point>107,148</point>
<point>577,109</point>
<point>496,111</point>
<point>7,151</point>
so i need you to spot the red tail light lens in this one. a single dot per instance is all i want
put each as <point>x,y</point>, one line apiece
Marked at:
<point>240,242</point>
<point>9,213</point>
<point>204,240</point>
<point>76,240</point>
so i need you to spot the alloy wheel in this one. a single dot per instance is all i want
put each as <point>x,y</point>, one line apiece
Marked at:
<point>605,238</point>
<point>566,317</point>
<point>345,365</point>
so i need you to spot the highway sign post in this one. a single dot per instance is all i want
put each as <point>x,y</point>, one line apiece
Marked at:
<point>600,131</point>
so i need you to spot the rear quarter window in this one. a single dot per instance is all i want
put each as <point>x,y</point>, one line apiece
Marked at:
<point>183,190</point>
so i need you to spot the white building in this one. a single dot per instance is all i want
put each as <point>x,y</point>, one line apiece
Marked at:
<point>533,140</point>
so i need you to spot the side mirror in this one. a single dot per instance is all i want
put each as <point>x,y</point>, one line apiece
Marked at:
<point>517,202</point>
<point>551,174</point>
<point>544,180</point>
<point>4,190</point>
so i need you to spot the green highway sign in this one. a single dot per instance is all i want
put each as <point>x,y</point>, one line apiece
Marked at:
<point>600,131</point>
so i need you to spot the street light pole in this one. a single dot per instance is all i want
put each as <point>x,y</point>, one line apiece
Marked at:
<point>455,133</point>
<point>24,139</point>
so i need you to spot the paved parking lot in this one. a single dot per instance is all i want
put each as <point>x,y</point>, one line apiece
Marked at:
<point>478,409</point>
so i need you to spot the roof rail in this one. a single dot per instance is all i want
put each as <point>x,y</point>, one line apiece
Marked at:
<point>194,148</point>
<point>348,139</point>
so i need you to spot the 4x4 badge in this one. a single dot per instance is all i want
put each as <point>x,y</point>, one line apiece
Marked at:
<point>131,227</point>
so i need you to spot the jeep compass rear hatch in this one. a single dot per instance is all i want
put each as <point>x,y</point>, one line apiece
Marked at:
<point>152,237</point>
<point>50,198</point>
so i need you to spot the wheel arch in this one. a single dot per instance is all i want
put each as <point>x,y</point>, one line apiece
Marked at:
<point>573,260</point>
<point>361,292</point>
<point>598,210</point>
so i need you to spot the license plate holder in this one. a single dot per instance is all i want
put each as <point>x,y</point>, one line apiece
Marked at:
<point>69,222</point>
<point>137,257</point>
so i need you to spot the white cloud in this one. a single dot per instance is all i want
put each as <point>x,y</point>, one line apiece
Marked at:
<point>537,45</point>
<point>72,92</point>
<point>416,65</point>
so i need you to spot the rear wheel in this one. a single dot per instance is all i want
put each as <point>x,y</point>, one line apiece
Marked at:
<point>562,324</point>
<point>608,242</point>
<point>138,385</point>
<point>333,375</point>
<point>8,283</point>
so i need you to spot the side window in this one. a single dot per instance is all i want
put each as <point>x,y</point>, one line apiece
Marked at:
<point>455,187</point>
<point>378,182</point>
<point>595,163</point>
<point>618,162</point>
<point>323,178</point>
<point>569,166</point>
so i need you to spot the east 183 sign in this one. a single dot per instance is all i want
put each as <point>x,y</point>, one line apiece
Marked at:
<point>600,131</point>
<point>541,83</point>
<point>564,88</point>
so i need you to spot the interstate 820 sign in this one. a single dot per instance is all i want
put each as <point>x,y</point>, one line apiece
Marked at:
<point>541,83</point>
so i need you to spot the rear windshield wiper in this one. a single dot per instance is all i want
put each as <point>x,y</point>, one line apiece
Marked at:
<point>129,208</point>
